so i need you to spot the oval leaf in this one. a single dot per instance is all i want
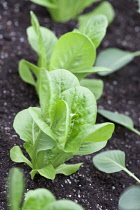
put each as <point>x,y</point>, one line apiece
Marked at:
<point>68,169</point>
<point>48,172</point>
<point>113,59</point>
<point>119,118</point>
<point>130,199</point>
<point>73,51</point>
<point>23,123</point>
<point>110,161</point>
<point>82,104</point>
<point>89,148</point>
<point>48,40</point>
<point>95,28</point>
<point>38,199</point>
<point>17,156</point>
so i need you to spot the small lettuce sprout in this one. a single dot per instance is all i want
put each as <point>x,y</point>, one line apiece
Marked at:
<point>74,51</point>
<point>37,199</point>
<point>130,199</point>
<point>64,10</point>
<point>63,127</point>
<point>112,161</point>
<point>119,118</point>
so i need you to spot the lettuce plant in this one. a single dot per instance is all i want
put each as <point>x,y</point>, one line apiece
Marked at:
<point>64,10</point>
<point>37,199</point>
<point>74,51</point>
<point>63,127</point>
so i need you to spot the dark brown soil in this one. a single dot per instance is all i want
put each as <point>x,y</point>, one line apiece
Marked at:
<point>89,187</point>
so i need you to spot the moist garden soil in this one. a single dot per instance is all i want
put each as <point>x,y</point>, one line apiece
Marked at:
<point>89,187</point>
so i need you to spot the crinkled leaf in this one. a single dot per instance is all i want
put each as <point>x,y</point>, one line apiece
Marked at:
<point>95,28</point>
<point>15,188</point>
<point>82,103</point>
<point>110,161</point>
<point>73,51</point>
<point>52,84</point>
<point>130,199</point>
<point>17,156</point>
<point>63,80</point>
<point>45,157</point>
<point>68,169</point>
<point>47,95</point>
<point>105,8</point>
<point>119,118</point>
<point>94,85</point>
<point>48,172</point>
<point>113,59</point>
<point>38,199</point>
<point>61,122</point>
<point>64,205</point>
<point>48,38</point>
<point>89,148</point>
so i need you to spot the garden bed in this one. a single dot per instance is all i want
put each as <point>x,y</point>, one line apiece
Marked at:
<point>89,187</point>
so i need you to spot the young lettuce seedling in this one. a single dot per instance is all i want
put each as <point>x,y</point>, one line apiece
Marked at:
<point>37,199</point>
<point>64,10</point>
<point>74,51</point>
<point>63,127</point>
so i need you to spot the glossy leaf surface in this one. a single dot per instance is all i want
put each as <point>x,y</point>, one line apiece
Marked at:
<point>73,51</point>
